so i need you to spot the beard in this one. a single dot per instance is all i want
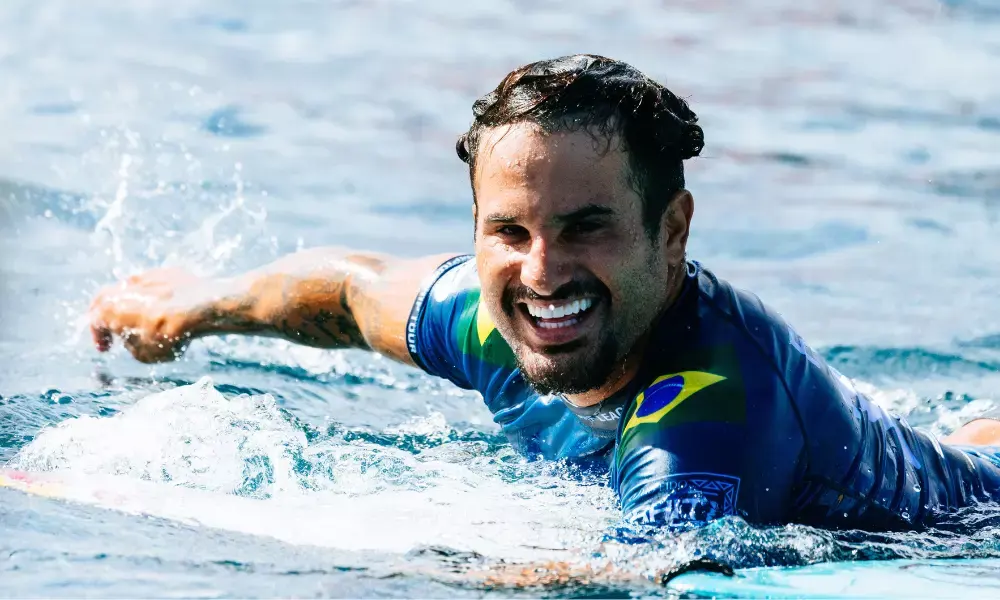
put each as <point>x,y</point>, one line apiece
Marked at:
<point>586,364</point>
<point>573,368</point>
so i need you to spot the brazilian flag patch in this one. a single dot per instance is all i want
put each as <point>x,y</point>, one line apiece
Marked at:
<point>668,393</point>
<point>712,391</point>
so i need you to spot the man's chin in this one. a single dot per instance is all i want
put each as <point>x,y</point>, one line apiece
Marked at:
<point>563,352</point>
<point>563,372</point>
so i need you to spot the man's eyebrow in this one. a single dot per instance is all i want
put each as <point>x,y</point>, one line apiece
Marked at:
<point>501,218</point>
<point>591,210</point>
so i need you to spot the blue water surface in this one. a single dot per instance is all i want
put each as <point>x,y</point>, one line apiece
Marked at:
<point>850,179</point>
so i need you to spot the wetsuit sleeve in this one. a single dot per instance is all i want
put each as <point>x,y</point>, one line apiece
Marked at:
<point>868,468</point>
<point>451,335</point>
<point>434,330</point>
<point>859,466</point>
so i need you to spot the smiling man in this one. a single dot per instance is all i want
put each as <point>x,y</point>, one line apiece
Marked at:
<point>587,329</point>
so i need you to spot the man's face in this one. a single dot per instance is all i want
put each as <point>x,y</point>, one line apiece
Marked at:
<point>568,272</point>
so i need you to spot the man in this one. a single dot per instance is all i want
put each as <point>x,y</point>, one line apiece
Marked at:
<point>588,331</point>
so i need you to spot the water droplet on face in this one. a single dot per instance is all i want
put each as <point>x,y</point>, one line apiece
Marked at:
<point>845,515</point>
<point>916,487</point>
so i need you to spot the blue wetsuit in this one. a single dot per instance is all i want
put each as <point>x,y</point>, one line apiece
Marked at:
<point>730,414</point>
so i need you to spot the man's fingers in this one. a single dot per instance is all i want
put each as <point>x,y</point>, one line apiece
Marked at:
<point>149,352</point>
<point>102,337</point>
<point>134,344</point>
<point>131,310</point>
<point>99,329</point>
<point>105,324</point>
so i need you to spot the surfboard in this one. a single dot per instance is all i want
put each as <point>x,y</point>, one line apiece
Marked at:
<point>391,521</point>
<point>103,491</point>
<point>966,578</point>
<point>30,483</point>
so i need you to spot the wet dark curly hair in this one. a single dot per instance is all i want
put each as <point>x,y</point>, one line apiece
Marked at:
<point>603,96</point>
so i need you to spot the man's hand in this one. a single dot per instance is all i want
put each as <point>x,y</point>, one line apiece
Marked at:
<point>323,297</point>
<point>154,313</point>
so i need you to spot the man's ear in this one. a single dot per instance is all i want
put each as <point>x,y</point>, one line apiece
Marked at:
<point>676,225</point>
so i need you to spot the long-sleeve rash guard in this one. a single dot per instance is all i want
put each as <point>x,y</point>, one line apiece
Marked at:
<point>731,414</point>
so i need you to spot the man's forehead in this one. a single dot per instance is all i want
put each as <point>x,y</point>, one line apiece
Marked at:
<point>515,147</point>
<point>524,157</point>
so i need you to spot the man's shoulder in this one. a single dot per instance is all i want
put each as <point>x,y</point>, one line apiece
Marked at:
<point>782,350</point>
<point>455,277</point>
<point>738,305</point>
<point>448,321</point>
<point>743,314</point>
<point>443,294</point>
<point>713,360</point>
<point>757,341</point>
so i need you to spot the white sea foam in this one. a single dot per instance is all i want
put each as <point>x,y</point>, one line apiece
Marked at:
<point>194,455</point>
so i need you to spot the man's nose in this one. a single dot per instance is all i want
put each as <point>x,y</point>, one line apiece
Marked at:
<point>544,269</point>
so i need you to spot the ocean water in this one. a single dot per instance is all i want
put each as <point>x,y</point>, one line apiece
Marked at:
<point>850,179</point>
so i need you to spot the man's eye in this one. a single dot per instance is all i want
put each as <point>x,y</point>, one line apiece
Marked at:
<point>584,227</point>
<point>511,231</point>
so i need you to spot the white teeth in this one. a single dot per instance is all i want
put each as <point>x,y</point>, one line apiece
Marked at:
<point>563,310</point>
<point>559,325</point>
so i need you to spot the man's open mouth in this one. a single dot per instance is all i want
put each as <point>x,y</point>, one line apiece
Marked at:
<point>559,322</point>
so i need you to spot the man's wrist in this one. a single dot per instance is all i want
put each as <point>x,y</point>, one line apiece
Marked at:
<point>224,308</point>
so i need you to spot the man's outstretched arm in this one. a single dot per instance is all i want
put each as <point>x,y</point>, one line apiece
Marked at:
<point>323,297</point>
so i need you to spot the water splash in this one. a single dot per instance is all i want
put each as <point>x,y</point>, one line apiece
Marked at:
<point>168,209</point>
<point>240,463</point>
<point>111,222</point>
<point>190,436</point>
